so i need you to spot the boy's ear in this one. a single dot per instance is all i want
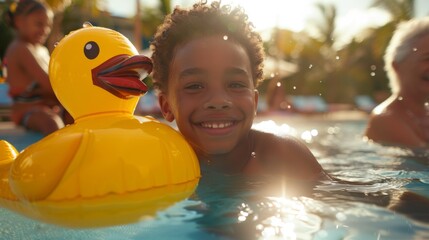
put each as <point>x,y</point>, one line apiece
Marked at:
<point>256,100</point>
<point>165,107</point>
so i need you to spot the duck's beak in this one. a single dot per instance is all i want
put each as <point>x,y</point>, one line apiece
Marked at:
<point>122,75</point>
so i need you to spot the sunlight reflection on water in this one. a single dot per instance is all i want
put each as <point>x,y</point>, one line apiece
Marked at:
<point>240,207</point>
<point>270,126</point>
<point>382,172</point>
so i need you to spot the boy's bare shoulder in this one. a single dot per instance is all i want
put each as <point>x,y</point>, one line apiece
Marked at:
<point>268,139</point>
<point>286,155</point>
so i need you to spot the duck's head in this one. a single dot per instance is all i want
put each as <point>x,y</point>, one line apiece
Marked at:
<point>96,70</point>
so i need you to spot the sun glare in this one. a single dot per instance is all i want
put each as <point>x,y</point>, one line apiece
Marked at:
<point>303,15</point>
<point>297,16</point>
<point>274,13</point>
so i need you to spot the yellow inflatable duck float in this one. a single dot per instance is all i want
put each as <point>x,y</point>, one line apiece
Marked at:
<point>109,167</point>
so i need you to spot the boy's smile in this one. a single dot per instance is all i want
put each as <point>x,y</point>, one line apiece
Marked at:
<point>211,94</point>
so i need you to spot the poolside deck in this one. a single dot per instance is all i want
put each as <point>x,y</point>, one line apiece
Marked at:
<point>7,126</point>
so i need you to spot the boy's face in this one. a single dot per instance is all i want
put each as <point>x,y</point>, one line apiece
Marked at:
<point>211,94</point>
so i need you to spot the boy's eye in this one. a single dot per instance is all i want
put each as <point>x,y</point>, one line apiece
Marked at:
<point>194,86</point>
<point>237,85</point>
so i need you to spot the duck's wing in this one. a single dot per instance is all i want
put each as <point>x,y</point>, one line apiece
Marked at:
<point>38,169</point>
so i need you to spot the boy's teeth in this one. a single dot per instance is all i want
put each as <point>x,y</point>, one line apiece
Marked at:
<point>216,125</point>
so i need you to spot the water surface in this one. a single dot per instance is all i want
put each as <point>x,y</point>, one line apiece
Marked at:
<point>384,196</point>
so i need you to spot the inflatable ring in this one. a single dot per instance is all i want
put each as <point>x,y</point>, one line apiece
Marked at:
<point>109,167</point>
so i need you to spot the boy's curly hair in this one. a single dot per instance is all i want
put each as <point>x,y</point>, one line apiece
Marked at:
<point>204,20</point>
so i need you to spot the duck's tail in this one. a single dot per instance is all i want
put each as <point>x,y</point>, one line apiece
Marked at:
<point>8,153</point>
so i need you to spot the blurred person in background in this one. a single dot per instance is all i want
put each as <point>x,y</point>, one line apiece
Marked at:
<point>403,119</point>
<point>26,62</point>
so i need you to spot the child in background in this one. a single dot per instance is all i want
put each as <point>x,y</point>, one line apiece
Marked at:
<point>208,61</point>
<point>26,60</point>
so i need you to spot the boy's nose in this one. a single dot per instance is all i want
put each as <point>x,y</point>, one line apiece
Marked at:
<point>218,101</point>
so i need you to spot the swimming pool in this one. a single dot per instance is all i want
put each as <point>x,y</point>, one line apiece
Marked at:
<point>381,206</point>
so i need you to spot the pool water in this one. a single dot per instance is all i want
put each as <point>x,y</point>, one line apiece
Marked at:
<point>384,196</point>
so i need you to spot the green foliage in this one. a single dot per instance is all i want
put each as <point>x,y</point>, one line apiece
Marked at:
<point>6,32</point>
<point>338,75</point>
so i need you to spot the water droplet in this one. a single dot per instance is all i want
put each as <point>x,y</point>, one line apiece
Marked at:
<point>314,132</point>
<point>272,75</point>
<point>310,67</point>
<point>414,49</point>
<point>337,57</point>
<point>56,44</point>
<point>253,154</point>
<point>400,98</point>
<point>87,24</point>
<point>373,67</point>
<point>294,87</point>
<point>225,37</point>
<point>279,84</point>
<point>306,136</point>
<point>341,216</point>
<point>372,74</point>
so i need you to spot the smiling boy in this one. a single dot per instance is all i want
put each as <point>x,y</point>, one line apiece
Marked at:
<point>208,61</point>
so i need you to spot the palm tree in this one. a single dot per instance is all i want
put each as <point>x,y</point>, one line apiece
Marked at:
<point>399,9</point>
<point>165,7</point>
<point>150,18</point>
<point>326,27</point>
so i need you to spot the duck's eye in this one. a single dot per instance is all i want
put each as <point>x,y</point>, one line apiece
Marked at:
<point>91,50</point>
